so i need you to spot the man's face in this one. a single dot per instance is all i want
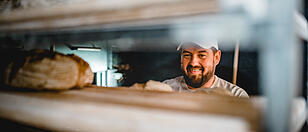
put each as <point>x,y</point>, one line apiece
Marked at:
<point>198,64</point>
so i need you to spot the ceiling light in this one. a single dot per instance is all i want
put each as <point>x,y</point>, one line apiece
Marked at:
<point>83,48</point>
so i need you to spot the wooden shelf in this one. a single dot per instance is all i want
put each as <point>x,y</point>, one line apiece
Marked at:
<point>103,14</point>
<point>122,109</point>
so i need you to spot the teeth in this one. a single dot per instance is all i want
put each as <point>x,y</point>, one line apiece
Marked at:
<point>196,70</point>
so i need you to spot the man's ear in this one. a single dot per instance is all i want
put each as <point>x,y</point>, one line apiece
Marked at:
<point>217,57</point>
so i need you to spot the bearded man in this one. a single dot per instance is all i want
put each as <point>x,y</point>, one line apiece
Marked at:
<point>198,63</point>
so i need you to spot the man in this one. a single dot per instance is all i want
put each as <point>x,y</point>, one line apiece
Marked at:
<point>198,64</point>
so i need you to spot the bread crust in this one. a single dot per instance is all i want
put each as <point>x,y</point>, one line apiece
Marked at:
<point>85,73</point>
<point>44,70</point>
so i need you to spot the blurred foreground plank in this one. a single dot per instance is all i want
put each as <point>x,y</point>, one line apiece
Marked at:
<point>123,109</point>
<point>106,14</point>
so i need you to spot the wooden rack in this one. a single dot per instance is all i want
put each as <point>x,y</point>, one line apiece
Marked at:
<point>122,109</point>
<point>105,14</point>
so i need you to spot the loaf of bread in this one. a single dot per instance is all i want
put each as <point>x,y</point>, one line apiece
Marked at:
<point>152,85</point>
<point>85,73</point>
<point>157,86</point>
<point>42,69</point>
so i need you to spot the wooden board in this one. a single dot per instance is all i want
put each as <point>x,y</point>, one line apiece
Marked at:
<point>122,109</point>
<point>98,12</point>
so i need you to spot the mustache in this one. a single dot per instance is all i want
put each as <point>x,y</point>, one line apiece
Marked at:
<point>190,66</point>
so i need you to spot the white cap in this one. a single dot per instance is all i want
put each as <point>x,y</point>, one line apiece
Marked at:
<point>206,44</point>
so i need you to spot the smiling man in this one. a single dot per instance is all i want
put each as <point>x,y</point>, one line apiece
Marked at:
<point>198,63</point>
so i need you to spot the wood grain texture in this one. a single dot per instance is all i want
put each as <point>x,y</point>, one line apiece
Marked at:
<point>101,13</point>
<point>96,108</point>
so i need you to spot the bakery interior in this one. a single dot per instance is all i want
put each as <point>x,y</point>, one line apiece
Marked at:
<point>129,42</point>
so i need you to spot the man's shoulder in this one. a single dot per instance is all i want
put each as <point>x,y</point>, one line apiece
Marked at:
<point>234,89</point>
<point>219,82</point>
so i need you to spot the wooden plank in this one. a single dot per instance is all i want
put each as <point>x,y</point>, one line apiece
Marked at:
<point>22,106</point>
<point>99,14</point>
<point>61,116</point>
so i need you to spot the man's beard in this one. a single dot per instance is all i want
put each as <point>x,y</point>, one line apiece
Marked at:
<point>196,81</point>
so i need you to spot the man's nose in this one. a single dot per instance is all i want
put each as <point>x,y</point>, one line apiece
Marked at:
<point>194,61</point>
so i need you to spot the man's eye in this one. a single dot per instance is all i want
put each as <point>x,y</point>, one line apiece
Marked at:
<point>202,56</point>
<point>186,55</point>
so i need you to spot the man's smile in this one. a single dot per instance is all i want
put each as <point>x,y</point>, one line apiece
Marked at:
<point>195,70</point>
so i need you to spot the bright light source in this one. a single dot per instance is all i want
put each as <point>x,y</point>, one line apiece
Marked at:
<point>82,48</point>
<point>89,48</point>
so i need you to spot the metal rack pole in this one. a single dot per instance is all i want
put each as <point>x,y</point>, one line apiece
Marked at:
<point>280,62</point>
